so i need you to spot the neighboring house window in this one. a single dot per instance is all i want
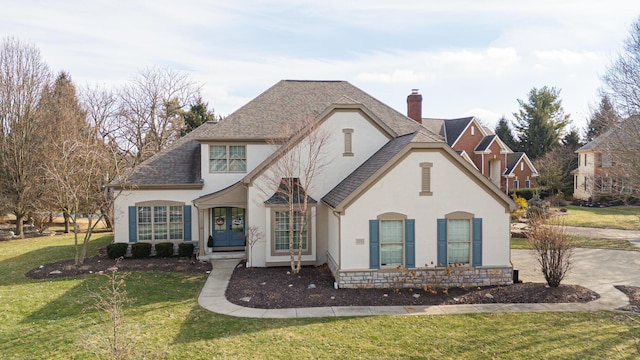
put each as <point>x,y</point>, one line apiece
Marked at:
<point>391,241</point>
<point>426,179</point>
<point>585,159</point>
<point>521,166</point>
<point>578,160</point>
<point>459,239</point>
<point>159,222</point>
<point>227,158</point>
<point>516,184</point>
<point>527,183</point>
<point>606,184</point>
<point>606,160</point>
<point>585,183</point>
<point>348,142</point>
<point>282,230</point>
<point>473,130</point>
<point>575,182</point>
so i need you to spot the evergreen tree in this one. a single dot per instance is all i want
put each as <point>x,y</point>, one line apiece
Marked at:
<point>540,121</point>
<point>197,115</point>
<point>572,140</point>
<point>601,119</point>
<point>503,131</point>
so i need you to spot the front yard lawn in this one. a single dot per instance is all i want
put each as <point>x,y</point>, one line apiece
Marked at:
<point>615,217</point>
<point>49,319</point>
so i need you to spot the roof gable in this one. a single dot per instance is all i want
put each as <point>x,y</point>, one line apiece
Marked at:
<point>513,159</point>
<point>290,102</point>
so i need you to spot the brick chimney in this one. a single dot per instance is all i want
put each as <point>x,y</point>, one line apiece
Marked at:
<point>414,106</point>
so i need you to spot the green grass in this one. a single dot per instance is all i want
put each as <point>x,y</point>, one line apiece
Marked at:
<point>585,242</point>
<point>617,217</point>
<point>49,319</point>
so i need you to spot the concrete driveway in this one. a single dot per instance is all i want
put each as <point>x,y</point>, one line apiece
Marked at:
<point>596,269</point>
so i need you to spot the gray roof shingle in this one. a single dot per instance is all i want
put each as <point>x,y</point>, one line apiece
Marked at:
<point>450,129</point>
<point>512,161</point>
<point>290,102</point>
<point>485,143</point>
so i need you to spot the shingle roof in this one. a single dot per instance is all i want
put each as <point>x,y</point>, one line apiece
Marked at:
<point>178,164</point>
<point>485,143</point>
<point>450,129</point>
<point>512,161</point>
<point>626,131</point>
<point>290,102</point>
<point>359,176</point>
<point>281,196</point>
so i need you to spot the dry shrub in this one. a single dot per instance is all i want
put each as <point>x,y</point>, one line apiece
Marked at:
<point>553,248</point>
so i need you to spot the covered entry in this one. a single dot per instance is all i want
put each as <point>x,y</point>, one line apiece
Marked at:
<point>228,228</point>
<point>222,216</point>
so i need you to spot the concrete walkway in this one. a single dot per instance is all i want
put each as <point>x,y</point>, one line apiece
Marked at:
<point>595,269</point>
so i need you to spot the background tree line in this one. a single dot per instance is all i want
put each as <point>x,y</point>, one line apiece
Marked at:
<point>60,146</point>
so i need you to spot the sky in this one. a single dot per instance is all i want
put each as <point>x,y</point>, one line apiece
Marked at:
<point>467,58</point>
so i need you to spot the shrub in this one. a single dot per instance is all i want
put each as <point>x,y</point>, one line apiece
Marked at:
<point>164,249</point>
<point>528,193</point>
<point>117,250</point>
<point>537,208</point>
<point>522,206</point>
<point>553,249</point>
<point>186,249</point>
<point>141,250</point>
<point>557,200</point>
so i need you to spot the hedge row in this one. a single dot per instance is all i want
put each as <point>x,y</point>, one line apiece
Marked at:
<point>143,250</point>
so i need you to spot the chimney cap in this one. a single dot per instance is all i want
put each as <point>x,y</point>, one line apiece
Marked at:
<point>414,91</point>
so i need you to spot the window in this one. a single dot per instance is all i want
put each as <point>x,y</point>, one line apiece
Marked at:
<point>516,184</point>
<point>527,183</point>
<point>585,183</point>
<point>426,179</point>
<point>606,184</point>
<point>585,159</point>
<point>227,158</point>
<point>575,182</point>
<point>606,160</point>
<point>348,137</point>
<point>473,130</point>
<point>521,166</point>
<point>281,231</point>
<point>391,242</point>
<point>160,223</point>
<point>458,241</point>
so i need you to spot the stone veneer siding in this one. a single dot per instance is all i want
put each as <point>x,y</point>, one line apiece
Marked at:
<point>422,277</point>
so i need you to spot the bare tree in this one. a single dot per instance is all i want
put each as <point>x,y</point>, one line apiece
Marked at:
<point>23,76</point>
<point>254,235</point>
<point>553,249</point>
<point>293,176</point>
<point>150,111</point>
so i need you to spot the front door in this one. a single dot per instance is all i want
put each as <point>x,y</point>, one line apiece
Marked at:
<point>228,227</point>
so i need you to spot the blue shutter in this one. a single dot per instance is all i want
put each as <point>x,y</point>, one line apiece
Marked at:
<point>477,242</point>
<point>187,223</point>
<point>442,242</point>
<point>410,243</point>
<point>133,225</point>
<point>374,244</point>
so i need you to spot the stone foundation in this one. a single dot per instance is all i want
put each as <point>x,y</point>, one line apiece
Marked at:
<point>422,278</point>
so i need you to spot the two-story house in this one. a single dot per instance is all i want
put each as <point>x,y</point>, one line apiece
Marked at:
<point>481,147</point>
<point>393,196</point>
<point>608,164</point>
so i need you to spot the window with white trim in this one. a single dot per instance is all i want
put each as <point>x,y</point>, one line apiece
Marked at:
<point>227,158</point>
<point>527,183</point>
<point>426,179</point>
<point>516,184</point>
<point>459,241</point>
<point>281,231</point>
<point>160,223</point>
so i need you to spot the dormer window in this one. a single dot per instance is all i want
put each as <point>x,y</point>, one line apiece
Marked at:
<point>227,158</point>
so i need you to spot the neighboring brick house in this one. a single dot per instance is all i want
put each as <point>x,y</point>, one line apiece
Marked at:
<point>602,171</point>
<point>491,156</point>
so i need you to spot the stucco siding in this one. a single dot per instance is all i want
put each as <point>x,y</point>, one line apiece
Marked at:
<point>398,191</point>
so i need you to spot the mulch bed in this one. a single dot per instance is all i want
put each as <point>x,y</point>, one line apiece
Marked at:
<point>101,264</point>
<point>277,288</point>
<point>633,293</point>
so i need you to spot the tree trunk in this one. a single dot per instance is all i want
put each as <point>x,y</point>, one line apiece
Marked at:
<point>107,220</point>
<point>65,215</point>
<point>20,225</point>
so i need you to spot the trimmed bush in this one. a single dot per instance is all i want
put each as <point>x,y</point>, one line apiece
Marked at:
<point>186,249</point>
<point>164,249</point>
<point>528,193</point>
<point>141,250</point>
<point>117,250</point>
<point>538,208</point>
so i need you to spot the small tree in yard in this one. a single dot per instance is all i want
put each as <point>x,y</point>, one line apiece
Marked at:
<point>254,235</point>
<point>553,249</point>
<point>302,157</point>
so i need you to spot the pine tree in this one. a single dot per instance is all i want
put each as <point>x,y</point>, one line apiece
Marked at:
<point>503,131</point>
<point>197,115</point>
<point>601,119</point>
<point>540,121</point>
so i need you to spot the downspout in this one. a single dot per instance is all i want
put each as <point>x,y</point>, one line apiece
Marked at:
<point>337,214</point>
